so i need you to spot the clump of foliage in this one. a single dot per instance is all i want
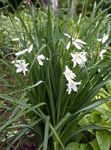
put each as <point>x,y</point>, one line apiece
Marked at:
<point>56,66</point>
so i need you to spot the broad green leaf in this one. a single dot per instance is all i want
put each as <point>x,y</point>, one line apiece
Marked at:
<point>78,146</point>
<point>94,145</point>
<point>103,139</point>
<point>73,146</point>
<point>85,147</point>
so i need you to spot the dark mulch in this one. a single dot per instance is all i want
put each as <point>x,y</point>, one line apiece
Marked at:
<point>25,146</point>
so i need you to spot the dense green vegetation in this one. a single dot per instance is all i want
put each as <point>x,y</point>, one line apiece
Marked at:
<point>55,70</point>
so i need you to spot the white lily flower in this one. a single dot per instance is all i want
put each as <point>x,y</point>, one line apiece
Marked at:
<point>24,51</point>
<point>72,86</point>
<point>21,66</point>
<point>79,58</point>
<point>103,39</point>
<point>69,75</point>
<point>41,58</point>
<point>78,43</point>
<point>102,52</point>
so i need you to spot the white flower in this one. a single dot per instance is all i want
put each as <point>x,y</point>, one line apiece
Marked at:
<point>104,38</point>
<point>72,85</point>
<point>79,58</point>
<point>24,51</point>
<point>40,59</point>
<point>78,43</point>
<point>69,75</point>
<point>102,52</point>
<point>21,66</point>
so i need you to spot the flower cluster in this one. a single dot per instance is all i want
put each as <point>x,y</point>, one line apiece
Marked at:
<point>78,43</point>
<point>78,58</point>
<point>21,65</point>
<point>103,40</point>
<point>70,76</point>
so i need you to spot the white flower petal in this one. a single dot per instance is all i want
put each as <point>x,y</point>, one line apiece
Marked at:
<point>40,59</point>
<point>105,38</point>
<point>21,52</point>
<point>79,58</point>
<point>80,41</point>
<point>21,66</point>
<point>67,35</point>
<point>102,52</point>
<point>30,48</point>
<point>72,85</point>
<point>69,74</point>
<point>99,40</point>
<point>19,70</point>
<point>24,71</point>
<point>77,45</point>
<point>68,45</point>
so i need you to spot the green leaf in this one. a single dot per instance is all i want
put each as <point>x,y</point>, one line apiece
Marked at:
<point>94,145</point>
<point>103,139</point>
<point>46,134</point>
<point>73,146</point>
<point>78,146</point>
<point>85,147</point>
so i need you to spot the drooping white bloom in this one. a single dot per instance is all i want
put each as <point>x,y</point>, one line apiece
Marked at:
<point>103,39</point>
<point>102,52</point>
<point>40,59</point>
<point>78,43</point>
<point>72,86</point>
<point>24,51</point>
<point>79,58</point>
<point>69,75</point>
<point>21,66</point>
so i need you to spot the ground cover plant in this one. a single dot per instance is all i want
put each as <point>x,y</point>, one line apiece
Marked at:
<point>54,70</point>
